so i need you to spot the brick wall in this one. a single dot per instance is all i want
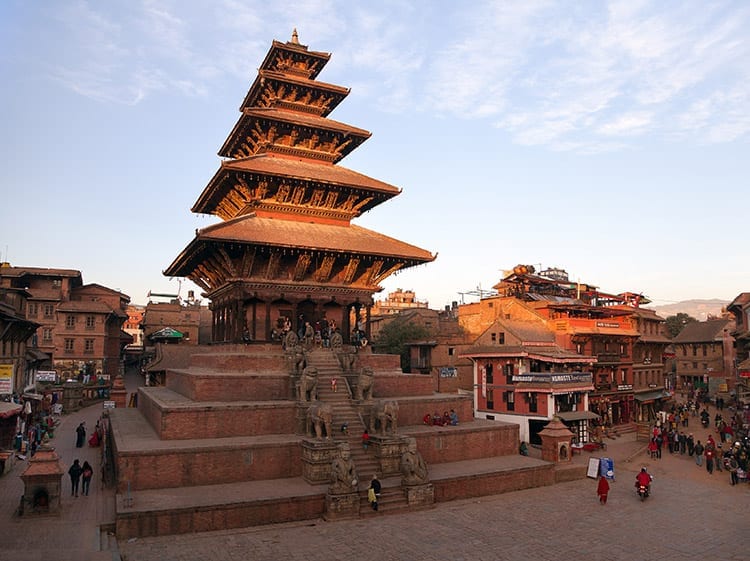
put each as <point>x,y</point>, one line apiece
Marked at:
<point>480,485</point>
<point>207,386</point>
<point>402,385</point>
<point>480,440</point>
<point>190,466</point>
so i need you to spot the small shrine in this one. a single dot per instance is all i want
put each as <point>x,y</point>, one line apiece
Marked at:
<point>42,483</point>
<point>556,440</point>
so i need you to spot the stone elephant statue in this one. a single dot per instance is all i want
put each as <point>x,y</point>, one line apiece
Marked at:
<point>384,416</point>
<point>319,419</point>
<point>308,385</point>
<point>365,382</point>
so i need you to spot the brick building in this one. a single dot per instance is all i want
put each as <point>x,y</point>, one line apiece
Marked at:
<point>80,326</point>
<point>18,358</point>
<point>740,310</point>
<point>705,356</point>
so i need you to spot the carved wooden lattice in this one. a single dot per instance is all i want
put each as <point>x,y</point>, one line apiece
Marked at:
<point>323,273</point>
<point>274,261</point>
<point>351,270</point>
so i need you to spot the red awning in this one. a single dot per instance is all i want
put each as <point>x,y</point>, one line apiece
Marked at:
<point>9,409</point>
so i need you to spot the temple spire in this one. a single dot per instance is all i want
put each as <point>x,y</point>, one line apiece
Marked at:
<point>295,37</point>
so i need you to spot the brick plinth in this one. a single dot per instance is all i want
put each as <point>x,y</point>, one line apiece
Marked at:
<point>175,419</point>
<point>252,512</point>
<point>494,483</point>
<point>420,495</point>
<point>209,385</point>
<point>388,451</point>
<point>396,384</point>
<point>229,462</point>
<point>411,410</point>
<point>342,507</point>
<point>467,442</point>
<point>250,360</point>
<point>317,456</point>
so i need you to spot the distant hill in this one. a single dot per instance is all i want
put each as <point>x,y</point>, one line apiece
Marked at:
<point>699,309</point>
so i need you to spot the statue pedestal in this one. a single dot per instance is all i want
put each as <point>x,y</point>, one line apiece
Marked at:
<point>420,495</point>
<point>388,451</point>
<point>342,507</point>
<point>317,456</point>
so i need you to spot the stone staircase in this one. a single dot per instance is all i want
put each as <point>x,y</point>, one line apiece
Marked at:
<point>392,497</point>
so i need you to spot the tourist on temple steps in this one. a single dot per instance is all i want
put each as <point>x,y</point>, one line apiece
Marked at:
<point>365,439</point>
<point>75,472</point>
<point>373,493</point>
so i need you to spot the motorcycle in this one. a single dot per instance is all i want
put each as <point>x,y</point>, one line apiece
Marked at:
<point>643,491</point>
<point>704,422</point>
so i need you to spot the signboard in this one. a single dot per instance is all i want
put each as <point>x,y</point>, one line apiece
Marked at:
<point>593,469</point>
<point>608,324</point>
<point>584,377</point>
<point>607,467</point>
<point>6,378</point>
<point>46,376</point>
<point>448,372</point>
<point>109,405</point>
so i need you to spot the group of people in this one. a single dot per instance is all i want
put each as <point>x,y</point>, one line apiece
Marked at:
<point>436,419</point>
<point>729,452</point>
<point>80,475</point>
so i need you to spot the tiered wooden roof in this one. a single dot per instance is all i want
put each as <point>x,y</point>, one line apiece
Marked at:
<point>286,206</point>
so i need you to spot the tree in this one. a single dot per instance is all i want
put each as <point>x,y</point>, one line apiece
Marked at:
<point>395,335</point>
<point>675,324</point>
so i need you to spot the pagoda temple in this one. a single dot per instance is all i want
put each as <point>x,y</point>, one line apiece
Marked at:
<point>286,246</point>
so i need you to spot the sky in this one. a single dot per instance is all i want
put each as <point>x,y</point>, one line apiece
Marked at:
<point>609,139</point>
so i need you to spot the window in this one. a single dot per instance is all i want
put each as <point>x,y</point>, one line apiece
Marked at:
<point>493,336</point>
<point>488,374</point>
<point>88,346</point>
<point>56,283</point>
<point>451,351</point>
<point>70,321</point>
<point>69,345</point>
<point>49,311</point>
<point>90,321</point>
<point>705,351</point>
<point>508,373</point>
<point>490,398</point>
<point>501,338</point>
<point>532,403</point>
<point>33,309</point>
<point>510,399</point>
<point>47,334</point>
<point>695,366</point>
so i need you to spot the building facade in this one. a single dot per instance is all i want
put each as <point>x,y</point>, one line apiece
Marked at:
<point>705,356</point>
<point>80,326</point>
<point>740,310</point>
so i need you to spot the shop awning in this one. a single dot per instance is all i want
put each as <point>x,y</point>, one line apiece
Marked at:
<point>577,415</point>
<point>9,409</point>
<point>650,396</point>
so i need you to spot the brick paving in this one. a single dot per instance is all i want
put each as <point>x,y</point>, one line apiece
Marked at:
<point>690,516</point>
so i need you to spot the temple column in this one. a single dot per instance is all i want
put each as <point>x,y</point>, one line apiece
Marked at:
<point>268,320</point>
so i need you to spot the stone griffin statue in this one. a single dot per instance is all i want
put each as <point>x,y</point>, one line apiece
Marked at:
<point>364,384</point>
<point>343,473</point>
<point>384,415</point>
<point>308,385</point>
<point>347,357</point>
<point>413,467</point>
<point>319,419</point>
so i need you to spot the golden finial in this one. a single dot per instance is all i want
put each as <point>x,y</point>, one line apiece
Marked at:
<point>295,37</point>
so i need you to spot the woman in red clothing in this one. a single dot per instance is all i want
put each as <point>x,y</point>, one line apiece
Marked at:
<point>602,489</point>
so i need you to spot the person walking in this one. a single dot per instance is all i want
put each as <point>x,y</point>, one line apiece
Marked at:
<point>80,435</point>
<point>87,473</point>
<point>334,384</point>
<point>365,439</point>
<point>75,472</point>
<point>699,453</point>
<point>373,493</point>
<point>602,489</point>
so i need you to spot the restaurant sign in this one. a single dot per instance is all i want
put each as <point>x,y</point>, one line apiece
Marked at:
<point>567,377</point>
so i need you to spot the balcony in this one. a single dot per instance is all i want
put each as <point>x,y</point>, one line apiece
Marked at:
<point>609,358</point>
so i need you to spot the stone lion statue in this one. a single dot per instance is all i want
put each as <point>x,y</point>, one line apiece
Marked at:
<point>319,419</point>
<point>343,473</point>
<point>290,340</point>
<point>384,416</point>
<point>412,465</point>
<point>364,384</point>
<point>337,341</point>
<point>347,357</point>
<point>308,384</point>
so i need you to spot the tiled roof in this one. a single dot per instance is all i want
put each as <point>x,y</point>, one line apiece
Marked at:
<point>551,353</point>
<point>702,331</point>
<point>306,235</point>
<point>309,171</point>
<point>20,271</point>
